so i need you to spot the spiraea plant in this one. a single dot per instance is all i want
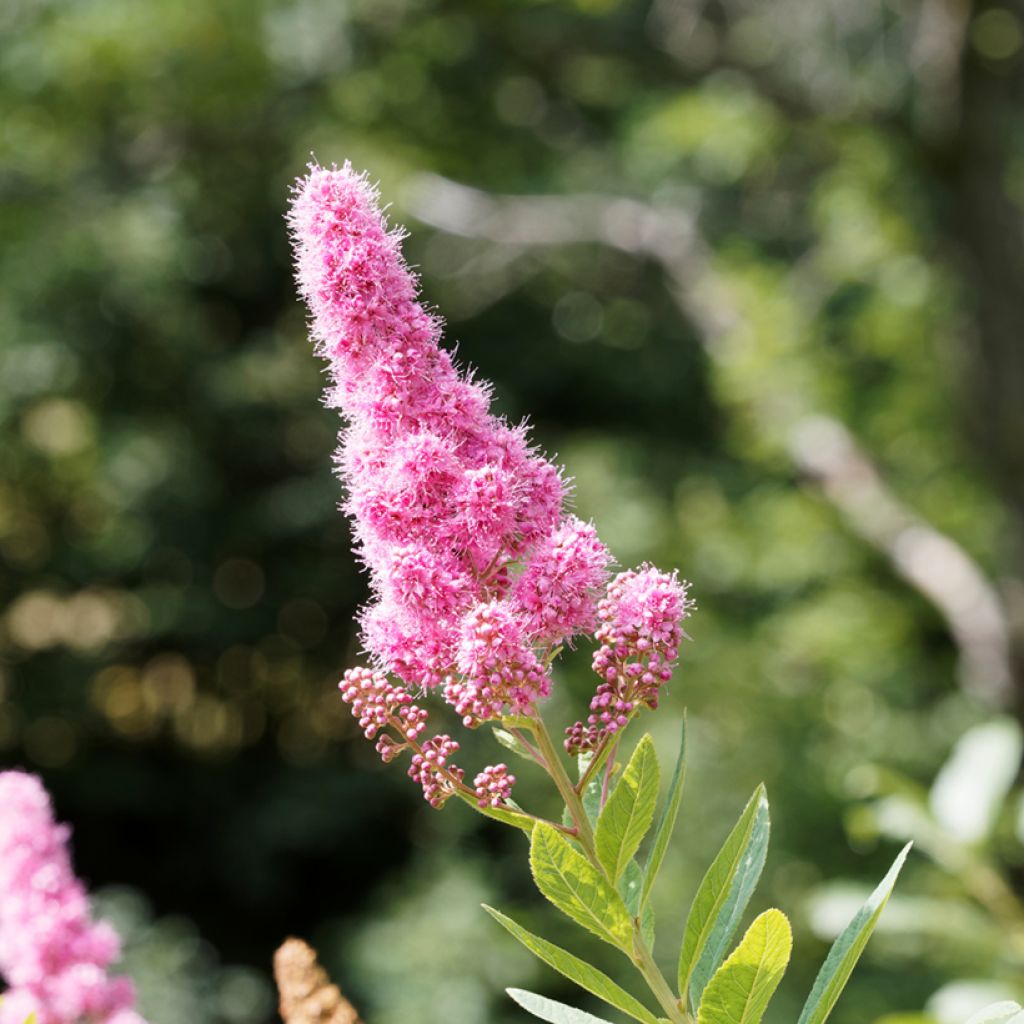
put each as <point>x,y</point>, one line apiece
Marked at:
<point>480,578</point>
<point>54,958</point>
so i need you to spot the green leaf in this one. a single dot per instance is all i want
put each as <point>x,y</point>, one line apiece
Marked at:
<point>631,889</point>
<point>576,970</point>
<point>740,989</point>
<point>550,1010</point>
<point>505,815</point>
<point>723,896</point>
<point>667,822</point>
<point>846,950</point>
<point>629,811</point>
<point>513,743</point>
<point>574,885</point>
<point>592,791</point>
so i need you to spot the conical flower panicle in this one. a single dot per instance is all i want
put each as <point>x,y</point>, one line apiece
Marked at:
<point>478,573</point>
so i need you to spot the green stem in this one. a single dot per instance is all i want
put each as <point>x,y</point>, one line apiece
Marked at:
<point>555,768</point>
<point>644,960</point>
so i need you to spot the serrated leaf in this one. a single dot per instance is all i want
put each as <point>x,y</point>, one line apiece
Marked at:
<point>629,811</point>
<point>723,896</point>
<point>579,971</point>
<point>846,950</point>
<point>576,887</point>
<point>663,833</point>
<point>551,1010</point>
<point>513,743</point>
<point>997,1013</point>
<point>740,989</point>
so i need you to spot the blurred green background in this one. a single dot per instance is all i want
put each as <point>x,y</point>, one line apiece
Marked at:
<point>755,270</point>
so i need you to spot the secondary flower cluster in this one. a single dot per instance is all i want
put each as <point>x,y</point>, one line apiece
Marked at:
<point>640,633</point>
<point>478,573</point>
<point>53,957</point>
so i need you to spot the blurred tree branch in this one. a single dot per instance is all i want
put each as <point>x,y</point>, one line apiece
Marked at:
<point>820,447</point>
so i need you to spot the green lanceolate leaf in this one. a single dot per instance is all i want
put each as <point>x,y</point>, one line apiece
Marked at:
<point>576,887</point>
<point>723,896</point>
<point>740,989</point>
<point>631,890</point>
<point>506,815</point>
<point>663,833</point>
<point>846,950</point>
<point>550,1010</point>
<point>591,795</point>
<point>629,811</point>
<point>576,970</point>
<point>512,742</point>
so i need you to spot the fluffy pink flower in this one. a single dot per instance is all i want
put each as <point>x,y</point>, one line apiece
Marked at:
<point>559,587</point>
<point>640,632</point>
<point>498,669</point>
<point>476,570</point>
<point>53,956</point>
<point>443,495</point>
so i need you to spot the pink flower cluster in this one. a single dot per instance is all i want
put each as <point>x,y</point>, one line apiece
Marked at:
<point>431,770</point>
<point>640,633</point>
<point>497,665</point>
<point>493,786</point>
<point>53,956</point>
<point>478,574</point>
<point>379,705</point>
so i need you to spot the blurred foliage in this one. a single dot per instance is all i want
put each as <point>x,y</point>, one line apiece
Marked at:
<point>177,588</point>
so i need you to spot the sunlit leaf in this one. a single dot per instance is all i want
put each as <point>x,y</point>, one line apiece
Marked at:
<point>972,785</point>
<point>629,810</point>
<point>576,970</point>
<point>739,991</point>
<point>723,896</point>
<point>847,949</point>
<point>576,887</point>
<point>550,1010</point>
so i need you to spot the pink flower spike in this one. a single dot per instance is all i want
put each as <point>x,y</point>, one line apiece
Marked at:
<point>477,573</point>
<point>443,495</point>
<point>53,956</point>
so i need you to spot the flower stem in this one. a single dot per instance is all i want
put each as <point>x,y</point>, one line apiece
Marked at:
<point>644,960</point>
<point>555,768</point>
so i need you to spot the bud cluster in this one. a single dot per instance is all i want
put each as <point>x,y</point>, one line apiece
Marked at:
<point>430,769</point>
<point>493,786</point>
<point>640,632</point>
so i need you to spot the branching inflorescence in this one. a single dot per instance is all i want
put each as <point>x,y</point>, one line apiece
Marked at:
<point>479,574</point>
<point>480,578</point>
<point>53,956</point>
